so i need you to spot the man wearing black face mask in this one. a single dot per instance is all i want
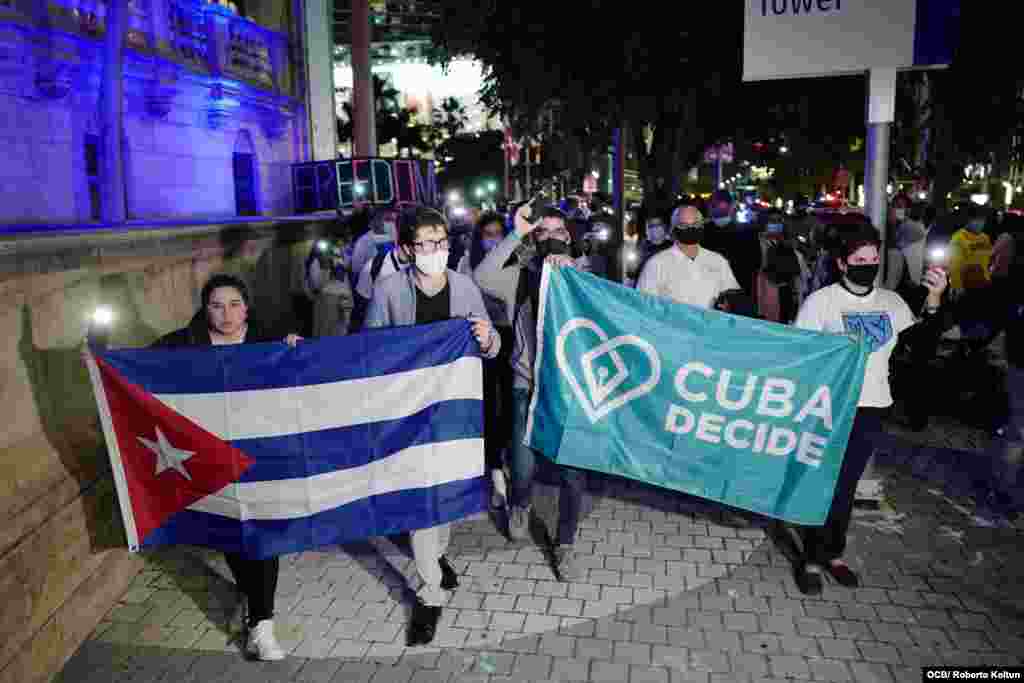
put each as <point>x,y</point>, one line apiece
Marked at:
<point>855,306</point>
<point>518,286</point>
<point>687,273</point>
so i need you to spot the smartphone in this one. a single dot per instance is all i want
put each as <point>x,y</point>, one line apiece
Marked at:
<point>537,205</point>
<point>937,258</point>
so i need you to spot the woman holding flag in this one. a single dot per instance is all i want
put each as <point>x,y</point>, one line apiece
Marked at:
<point>224,319</point>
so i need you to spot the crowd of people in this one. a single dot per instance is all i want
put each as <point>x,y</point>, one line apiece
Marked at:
<point>404,267</point>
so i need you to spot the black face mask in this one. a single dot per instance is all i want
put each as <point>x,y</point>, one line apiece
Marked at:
<point>687,235</point>
<point>552,247</point>
<point>863,275</point>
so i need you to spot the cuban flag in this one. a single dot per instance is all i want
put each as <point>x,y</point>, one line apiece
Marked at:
<point>265,449</point>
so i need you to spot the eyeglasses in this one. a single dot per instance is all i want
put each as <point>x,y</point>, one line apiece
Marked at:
<point>430,246</point>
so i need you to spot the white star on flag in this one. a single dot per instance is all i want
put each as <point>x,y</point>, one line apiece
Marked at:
<point>167,456</point>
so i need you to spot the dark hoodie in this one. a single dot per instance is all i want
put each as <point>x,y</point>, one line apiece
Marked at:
<point>197,333</point>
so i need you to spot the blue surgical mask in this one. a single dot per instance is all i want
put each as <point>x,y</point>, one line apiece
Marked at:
<point>489,244</point>
<point>721,221</point>
<point>775,228</point>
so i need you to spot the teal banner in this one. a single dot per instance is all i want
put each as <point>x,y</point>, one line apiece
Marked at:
<point>745,412</point>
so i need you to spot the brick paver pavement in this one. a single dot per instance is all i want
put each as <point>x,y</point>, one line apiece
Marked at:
<point>674,590</point>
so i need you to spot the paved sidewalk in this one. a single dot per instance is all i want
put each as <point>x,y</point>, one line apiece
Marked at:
<point>675,590</point>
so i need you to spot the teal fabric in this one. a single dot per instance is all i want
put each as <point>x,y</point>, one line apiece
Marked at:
<point>749,413</point>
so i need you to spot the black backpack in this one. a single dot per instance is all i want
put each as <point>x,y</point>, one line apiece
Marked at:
<point>781,265</point>
<point>378,263</point>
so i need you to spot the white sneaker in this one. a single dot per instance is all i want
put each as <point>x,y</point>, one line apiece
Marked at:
<point>499,491</point>
<point>262,643</point>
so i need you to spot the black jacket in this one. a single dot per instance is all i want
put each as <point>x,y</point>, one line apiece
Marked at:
<point>197,333</point>
<point>740,244</point>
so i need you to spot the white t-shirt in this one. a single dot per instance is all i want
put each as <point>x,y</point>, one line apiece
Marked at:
<point>391,264</point>
<point>880,316</point>
<point>698,281</point>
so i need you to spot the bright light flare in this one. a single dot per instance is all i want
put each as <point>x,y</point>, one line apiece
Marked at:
<point>103,316</point>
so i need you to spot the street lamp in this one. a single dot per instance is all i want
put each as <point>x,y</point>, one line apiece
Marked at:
<point>454,196</point>
<point>492,186</point>
<point>479,192</point>
<point>783,149</point>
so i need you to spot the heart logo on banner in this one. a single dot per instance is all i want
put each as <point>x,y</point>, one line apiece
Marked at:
<point>597,400</point>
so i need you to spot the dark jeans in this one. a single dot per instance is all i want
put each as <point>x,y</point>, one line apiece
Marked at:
<point>498,401</point>
<point>826,543</point>
<point>257,579</point>
<point>525,464</point>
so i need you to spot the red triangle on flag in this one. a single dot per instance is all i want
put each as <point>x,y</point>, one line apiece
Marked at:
<point>145,428</point>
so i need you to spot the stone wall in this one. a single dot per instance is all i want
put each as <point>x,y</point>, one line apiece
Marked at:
<point>63,560</point>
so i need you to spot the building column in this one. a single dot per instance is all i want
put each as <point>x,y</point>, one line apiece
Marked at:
<point>319,47</point>
<point>363,106</point>
<point>112,200</point>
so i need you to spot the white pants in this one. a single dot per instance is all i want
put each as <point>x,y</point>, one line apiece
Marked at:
<point>428,545</point>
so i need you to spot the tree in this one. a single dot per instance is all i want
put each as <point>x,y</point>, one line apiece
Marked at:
<point>393,122</point>
<point>977,107</point>
<point>644,68</point>
<point>475,157</point>
<point>818,133</point>
<point>450,118</point>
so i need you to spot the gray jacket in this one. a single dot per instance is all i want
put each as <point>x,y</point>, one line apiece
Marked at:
<point>394,302</point>
<point>503,283</point>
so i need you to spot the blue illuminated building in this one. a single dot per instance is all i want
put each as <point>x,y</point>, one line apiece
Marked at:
<point>212,110</point>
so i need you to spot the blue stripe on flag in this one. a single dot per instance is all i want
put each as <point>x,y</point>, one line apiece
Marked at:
<point>330,450</point>
<point>381,515</point>
<point>217,369</point>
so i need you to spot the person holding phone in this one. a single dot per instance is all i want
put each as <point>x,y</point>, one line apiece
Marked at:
<point>518,286</point>
<point>856,306</point>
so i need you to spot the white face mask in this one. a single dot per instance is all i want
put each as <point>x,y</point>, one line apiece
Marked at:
<point>432,264</point>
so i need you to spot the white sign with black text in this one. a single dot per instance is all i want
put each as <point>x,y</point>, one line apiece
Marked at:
<point>804,38</point>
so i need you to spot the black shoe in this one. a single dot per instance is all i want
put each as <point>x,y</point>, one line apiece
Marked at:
<point>423,625</point>
<point>808,579</point>
<point>843,575</point>
<point>449,579</point>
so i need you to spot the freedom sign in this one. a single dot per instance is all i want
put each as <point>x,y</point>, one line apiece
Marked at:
<point>745,412</point>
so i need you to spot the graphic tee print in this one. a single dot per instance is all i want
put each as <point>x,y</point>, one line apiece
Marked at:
<point>875,326</point>
<point>878,317</point>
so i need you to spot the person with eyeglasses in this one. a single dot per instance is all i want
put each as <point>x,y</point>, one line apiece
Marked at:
<point>427,292</point>
<point>687,273</point>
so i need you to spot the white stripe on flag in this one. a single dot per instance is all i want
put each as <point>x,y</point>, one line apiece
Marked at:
<point>264,413</point>
<point>415,467</point>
